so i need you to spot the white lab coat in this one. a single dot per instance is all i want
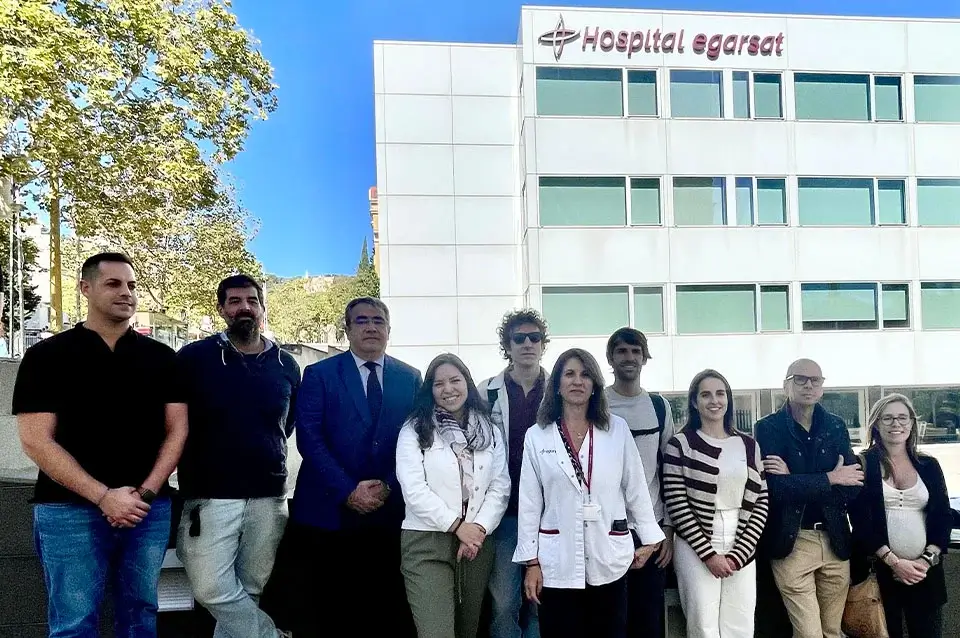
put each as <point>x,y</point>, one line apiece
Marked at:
<point>574,553</point>
<point>430,482</point>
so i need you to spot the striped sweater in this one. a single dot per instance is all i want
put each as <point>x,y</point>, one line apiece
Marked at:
<point>690,471</point>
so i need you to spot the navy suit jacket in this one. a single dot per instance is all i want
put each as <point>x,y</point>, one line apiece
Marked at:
<point>340,445</point>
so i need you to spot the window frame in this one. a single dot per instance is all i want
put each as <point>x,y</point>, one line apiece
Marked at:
<point>725,192</point>
<point>626,202</point>
<point>752,96</point>
<point>873,97</point>
<point>631,307</point>
<point>870,94</point>
<point>663,311</point>
<point>720,86</point>
<point>878,289</point>
<point>956,76</point>
<point>875,202</point>
<point>757,307</point>
<point>661,212</point>
<point>571,68</point>
<point>755,201</point>
<point>926,181</point>
<point>923,283</point>
<point>658,95</point>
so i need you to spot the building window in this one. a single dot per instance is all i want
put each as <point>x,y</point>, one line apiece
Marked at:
<point>732,309</point>
<point>938,412</point>
<point>892,201</point>
<point>832,201</point>
<point>774,308</point>
<point>839,306</point>
<point>648,309</point>
<point>696,94</point>
<point>645,201</point>
<point>699,201</point>
<point>940,305</point>
<point>586,311</point>
<point>716,309</point>
<point>583,201</point>
<point>938,202</point>
<point>825,96</point>
<point>937,98</point>
<point>896,305</point>
<point>766,91</point>
<point>761,201</point>
<point>579,91</point>
<point>642,93</point>
<point>888,98</point>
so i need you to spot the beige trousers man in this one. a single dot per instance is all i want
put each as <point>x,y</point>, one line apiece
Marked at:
<point>814,583</point>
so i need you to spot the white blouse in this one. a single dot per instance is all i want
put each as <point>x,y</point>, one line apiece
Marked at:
<point>906,519</point>
<point>732,464</point>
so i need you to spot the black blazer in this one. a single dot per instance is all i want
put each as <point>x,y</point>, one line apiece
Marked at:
<point>777,435</point>
<point>869,521</point>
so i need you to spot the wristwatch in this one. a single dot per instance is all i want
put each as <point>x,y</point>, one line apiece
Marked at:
<point>932,558</point>
<point>147,495</point>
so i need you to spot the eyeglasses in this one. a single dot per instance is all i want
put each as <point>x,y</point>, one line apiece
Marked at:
<point>902,419</point>
<point>519,337</point>
<point>802,380</point>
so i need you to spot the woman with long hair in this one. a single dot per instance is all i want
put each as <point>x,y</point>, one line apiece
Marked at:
<point>452,469</point>
<point>582,493</point>
<point>902,521</point>
<point>716,494</point>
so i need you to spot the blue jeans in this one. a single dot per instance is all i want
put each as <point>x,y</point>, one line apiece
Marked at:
<point>230,560</point>
<point>506,588</point>
<point>79,552</point>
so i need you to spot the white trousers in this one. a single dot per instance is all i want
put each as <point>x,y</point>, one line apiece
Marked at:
<point>715,607</point>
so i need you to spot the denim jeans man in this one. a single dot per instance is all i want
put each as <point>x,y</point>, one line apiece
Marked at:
<point>101,411</point>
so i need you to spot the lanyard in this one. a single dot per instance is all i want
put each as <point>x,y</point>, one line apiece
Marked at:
<point>575,458</point>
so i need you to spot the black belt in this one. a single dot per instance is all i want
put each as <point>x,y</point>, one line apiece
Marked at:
<point>815,526</point>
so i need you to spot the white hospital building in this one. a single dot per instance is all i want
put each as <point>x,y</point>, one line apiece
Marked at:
<point>745,189</point>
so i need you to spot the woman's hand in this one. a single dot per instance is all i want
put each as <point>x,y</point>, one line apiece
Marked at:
<point>471,535</point>
<point>466,552</point>
<point>642,554</point>
<point>719,566</point>
<point>909,572</point>
<point>732,563</point>
<point>533,583</point>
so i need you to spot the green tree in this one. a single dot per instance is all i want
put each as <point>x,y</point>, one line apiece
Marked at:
<point>30,297</point>
<point>116,117</point>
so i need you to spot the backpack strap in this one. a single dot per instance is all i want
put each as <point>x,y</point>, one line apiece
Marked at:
<point>660,407</point>
<point>492,395</point>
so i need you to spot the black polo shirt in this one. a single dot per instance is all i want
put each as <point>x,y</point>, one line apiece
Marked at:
<point>812,512</point>
<point>110,404</point>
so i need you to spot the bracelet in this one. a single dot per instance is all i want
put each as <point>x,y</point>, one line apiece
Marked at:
<point>457,526</point>
<point>885,554</point>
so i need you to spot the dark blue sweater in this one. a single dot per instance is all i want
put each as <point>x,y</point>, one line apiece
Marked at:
<point>241,413</point>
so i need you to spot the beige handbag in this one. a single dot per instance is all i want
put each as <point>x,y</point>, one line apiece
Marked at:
<point>863,615</point>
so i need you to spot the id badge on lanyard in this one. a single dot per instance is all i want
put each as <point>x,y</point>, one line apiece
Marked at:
<point>591,510</point>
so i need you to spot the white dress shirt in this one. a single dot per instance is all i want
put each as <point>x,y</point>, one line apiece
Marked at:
<point>431,484</point>
<point>365,371</point>
<point>574,553</point>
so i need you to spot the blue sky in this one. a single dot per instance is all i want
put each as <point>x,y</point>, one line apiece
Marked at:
<point>306,171</point>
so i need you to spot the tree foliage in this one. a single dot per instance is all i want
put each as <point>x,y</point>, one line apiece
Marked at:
<point>302,311</point>
<point>119,115</point>
<point>30,297</point>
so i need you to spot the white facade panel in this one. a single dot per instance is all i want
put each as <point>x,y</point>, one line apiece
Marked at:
<point>609,146</point>
<point>408,327</point>
<point>816,44</point>
<point>937,254</point>
<point>418,119</point>
<point>417,69</point>
<point>419,220</point>
<point>709,147</point>
<point>484,361</point>
<point>484,170</point>
<point>852,149</point>
<point>937,150</point>
<point>405,167</point>
<point>423,271</point>
<point>925,44</point>
<point>488,270</point>
<point>855,254</point>
<point>584,256</point>
<point>484,120</point>
<point>480,70</point>
<point>487,220</point>
<point>734,255</point>
<point>479,318</point>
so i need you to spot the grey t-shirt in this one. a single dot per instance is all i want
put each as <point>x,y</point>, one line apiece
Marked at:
<point>641,417</point>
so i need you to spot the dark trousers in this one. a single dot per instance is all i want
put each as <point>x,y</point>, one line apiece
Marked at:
<point>918,606</point>
<point>645,601</point>
<point>344,574</point>
<point>597,612</point>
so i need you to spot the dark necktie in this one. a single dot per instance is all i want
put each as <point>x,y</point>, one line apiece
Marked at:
<point>374,392</point>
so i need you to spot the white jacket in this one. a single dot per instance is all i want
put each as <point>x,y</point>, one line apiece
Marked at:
<point>573,553</point>
<point>432,492</point>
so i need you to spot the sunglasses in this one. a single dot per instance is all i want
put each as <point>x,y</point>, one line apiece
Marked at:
<point>519,337</point>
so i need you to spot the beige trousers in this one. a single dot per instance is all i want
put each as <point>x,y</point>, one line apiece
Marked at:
<point>814,583</point>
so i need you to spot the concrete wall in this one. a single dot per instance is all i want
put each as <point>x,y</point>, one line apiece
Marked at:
<point>14,464</point>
